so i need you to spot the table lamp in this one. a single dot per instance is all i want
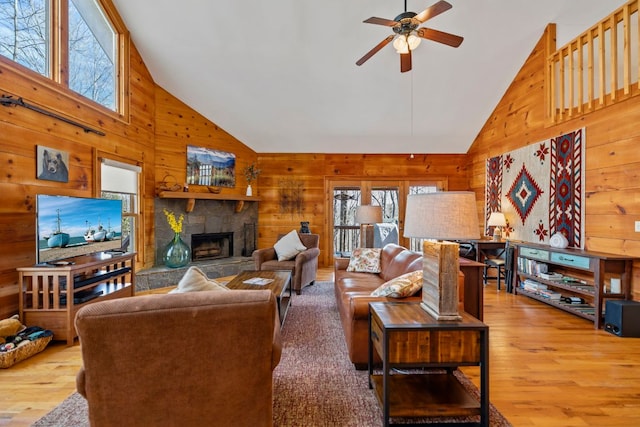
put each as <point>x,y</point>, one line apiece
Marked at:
<point>440,216</point>
<point>366,216</point>
<point>497,220</point>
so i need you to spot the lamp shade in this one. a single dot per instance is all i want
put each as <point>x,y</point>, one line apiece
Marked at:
<point>497,219</point>
<point>443,215</point>
<point>368,214</point>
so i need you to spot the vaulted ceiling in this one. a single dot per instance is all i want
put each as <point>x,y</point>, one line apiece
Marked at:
<point>281,75</point>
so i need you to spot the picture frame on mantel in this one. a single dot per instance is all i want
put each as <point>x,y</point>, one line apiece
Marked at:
<point>206,166</point>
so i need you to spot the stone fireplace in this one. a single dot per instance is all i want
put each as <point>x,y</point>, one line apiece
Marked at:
<point>211,246</point>
<point>216,219</point>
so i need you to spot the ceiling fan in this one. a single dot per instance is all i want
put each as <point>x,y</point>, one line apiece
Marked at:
<point>407,34</point>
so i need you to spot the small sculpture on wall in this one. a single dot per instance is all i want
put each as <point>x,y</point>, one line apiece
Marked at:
<point>290,192</point>
<point>304,227</point>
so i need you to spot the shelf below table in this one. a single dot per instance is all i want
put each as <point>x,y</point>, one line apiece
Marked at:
<point>431,395</point>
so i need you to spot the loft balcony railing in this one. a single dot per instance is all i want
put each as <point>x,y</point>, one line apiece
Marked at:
<point>598,68</point>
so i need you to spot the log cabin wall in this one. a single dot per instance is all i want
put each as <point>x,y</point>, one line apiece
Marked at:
<point>157,119</point>
<point>21,130</point>
<point>612,160</point>
<point>312,171</point>
<point>177,125</point>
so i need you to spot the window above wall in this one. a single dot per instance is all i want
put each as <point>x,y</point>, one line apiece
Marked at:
<point>79,44</point>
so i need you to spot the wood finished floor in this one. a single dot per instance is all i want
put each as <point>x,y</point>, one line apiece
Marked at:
<point>547,368</point>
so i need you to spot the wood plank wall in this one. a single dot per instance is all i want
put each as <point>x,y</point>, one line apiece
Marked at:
<point>21,130</point>
<point>177,125</point>
<point>314,170</point>
<point>612,184</point>
<point>157,120</point>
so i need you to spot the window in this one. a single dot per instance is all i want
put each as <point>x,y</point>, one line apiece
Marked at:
<point>87,50</point>
<point>24,33</point>
<point>92,53</point>
<point>348,194</point>
<point>414,243</point>
<point>120,181</point>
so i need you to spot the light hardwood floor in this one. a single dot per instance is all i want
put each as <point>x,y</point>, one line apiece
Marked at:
<point>547,368</point>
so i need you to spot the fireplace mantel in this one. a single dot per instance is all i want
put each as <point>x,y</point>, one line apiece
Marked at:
<point>191,198</point>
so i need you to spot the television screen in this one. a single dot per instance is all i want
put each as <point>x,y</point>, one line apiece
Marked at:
<point>73,226</point>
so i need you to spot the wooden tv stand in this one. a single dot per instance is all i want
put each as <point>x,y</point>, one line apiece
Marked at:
<point>45,299</point>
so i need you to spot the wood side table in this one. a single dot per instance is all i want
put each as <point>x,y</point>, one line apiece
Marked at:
<point>406,336</point>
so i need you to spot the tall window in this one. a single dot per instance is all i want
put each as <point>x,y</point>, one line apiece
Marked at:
<point>92,50</point>
<point>24,33</point>
<point>87,49</point>
<point>120,181</point>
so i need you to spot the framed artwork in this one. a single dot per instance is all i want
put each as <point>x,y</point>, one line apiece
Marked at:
<point>210,167</point>
<point>51,164</point>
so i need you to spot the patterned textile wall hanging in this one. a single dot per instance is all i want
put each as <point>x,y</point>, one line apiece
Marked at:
<point>540,189</point>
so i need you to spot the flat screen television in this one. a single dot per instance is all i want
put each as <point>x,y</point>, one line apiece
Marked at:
<point>72,226</point>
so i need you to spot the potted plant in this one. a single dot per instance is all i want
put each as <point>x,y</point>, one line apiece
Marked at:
<point>251,173</point>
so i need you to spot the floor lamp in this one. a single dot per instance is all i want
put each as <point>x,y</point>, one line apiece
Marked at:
<point>366,216</point>
<point>444,215</point>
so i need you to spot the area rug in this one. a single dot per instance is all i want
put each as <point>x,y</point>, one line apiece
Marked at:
<point>315,384</point>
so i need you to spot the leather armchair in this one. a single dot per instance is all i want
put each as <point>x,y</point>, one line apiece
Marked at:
<point>304,267</point>
<point>190,359</point>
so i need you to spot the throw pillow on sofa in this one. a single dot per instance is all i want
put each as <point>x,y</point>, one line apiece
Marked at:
<point>365,260</point>
<point>196,280</point>
<point>289,246</point>
<point>401,287</point>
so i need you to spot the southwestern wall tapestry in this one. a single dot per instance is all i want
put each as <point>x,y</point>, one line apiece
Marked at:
<point>540,190</point>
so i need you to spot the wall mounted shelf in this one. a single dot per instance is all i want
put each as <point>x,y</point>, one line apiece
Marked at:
<point>191,198</point>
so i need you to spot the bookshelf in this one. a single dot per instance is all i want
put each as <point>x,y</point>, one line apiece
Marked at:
<point>573,280</point>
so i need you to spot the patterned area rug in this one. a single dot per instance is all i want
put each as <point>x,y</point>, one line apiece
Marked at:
<point>315,384</point>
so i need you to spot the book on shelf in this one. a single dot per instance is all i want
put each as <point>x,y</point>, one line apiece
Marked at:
<point>550,276</point>
<point>552,295</point>
<point>533,286</point>
<point>258,281</point>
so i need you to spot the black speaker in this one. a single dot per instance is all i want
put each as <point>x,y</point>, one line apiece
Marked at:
<point>622,318</point>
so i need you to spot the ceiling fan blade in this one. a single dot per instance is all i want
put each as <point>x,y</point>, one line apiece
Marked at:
<point>405,62</point>
<point>375,50</point>
<point>440,37</point>
<point>433,10</point>
<point>380,21</point>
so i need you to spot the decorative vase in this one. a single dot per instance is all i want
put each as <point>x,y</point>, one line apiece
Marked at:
<point>249,190</point>
<point>177,253</point>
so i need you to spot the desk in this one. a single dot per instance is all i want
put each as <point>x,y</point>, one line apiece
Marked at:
<point>406,336</point>
<point>487,248</point>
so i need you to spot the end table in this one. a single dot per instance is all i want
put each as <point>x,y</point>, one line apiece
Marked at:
<point>406,336</point>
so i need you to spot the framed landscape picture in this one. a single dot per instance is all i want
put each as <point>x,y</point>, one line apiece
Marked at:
<point>210,167</point>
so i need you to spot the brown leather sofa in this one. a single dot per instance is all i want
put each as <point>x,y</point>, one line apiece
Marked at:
<point>186,359</point>
<point>304,267</point>
<point>353,295</point>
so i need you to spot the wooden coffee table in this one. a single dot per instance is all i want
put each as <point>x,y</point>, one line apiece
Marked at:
<point>280,286</point>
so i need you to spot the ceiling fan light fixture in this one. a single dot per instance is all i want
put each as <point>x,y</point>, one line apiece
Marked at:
<point>413,40</point>
<point>400,44</point>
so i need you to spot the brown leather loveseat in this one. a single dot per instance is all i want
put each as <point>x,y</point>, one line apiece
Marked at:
<point>353,295</point>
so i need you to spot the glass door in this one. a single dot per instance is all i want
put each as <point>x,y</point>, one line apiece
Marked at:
<point>346,195</point>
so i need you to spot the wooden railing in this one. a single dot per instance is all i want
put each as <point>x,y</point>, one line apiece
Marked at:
<point>598,68</point>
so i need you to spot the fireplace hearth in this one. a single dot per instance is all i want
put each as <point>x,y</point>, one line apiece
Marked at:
<point>211,246</point>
